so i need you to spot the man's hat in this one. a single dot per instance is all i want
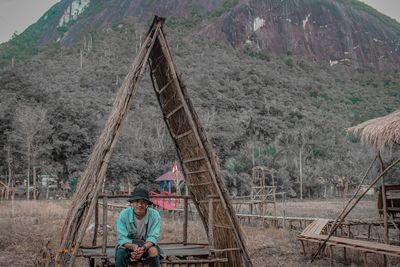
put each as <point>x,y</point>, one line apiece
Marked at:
<point>140,193</point>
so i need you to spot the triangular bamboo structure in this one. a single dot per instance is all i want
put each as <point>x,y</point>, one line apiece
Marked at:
<point>194,151</point>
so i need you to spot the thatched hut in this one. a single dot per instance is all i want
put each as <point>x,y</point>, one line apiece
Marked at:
<point>379,132</point>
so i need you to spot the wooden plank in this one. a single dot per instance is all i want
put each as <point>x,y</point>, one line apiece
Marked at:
<point>194,159</point>
<point>359,244</point>
<point>105,212</point>
<point>200,184</point>
<point>174,111</point>
<point>185,222</point>
<point>184,134</point>
<point>223,226</point>
<point>165,86</point>
<point>197,172</point>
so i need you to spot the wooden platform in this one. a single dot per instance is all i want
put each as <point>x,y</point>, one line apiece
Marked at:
<point>176,255</point>
<point>314,233</point>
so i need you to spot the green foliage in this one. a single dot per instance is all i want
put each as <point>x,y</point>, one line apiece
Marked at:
<point>388,108</point>
<point>353,138</point>
<point>372,83</point>
<point>296,115</point>
<point>388,83</point>
<point>355,99</point>
<point>226,6</point>
<point>289,62</point>
<point>316,94</point>
<point>258,54</point>
<point>235,166</point>
<point>185,23</point>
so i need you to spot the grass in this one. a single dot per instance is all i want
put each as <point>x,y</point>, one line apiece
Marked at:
<point>27,226</point>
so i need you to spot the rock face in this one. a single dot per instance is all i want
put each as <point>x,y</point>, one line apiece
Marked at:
<point>320,30</point>
<point>335,31</point>
<point>103,13</point>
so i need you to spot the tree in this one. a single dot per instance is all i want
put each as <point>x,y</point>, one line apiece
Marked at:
<point>31,130</point>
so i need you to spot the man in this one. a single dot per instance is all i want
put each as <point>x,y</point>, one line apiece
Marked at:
<point>138,231</point>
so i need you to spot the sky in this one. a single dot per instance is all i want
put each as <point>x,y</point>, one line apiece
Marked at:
<point>17,15</point>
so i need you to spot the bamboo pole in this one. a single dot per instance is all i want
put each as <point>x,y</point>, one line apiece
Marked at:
<point>384,206</point>
<point>383,192</point>
<point>96,224</point>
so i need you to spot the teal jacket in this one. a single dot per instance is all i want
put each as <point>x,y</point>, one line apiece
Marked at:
<point>126,228</point>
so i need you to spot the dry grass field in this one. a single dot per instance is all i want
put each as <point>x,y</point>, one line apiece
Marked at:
<point>27,226</point>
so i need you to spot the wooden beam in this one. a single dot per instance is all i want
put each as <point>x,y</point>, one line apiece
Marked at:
<point>185,222</point>
<point>211,222</point>
<point>194,159</point>
<point>105,232</point>
<point>166,86</point>
<point>184,134</point>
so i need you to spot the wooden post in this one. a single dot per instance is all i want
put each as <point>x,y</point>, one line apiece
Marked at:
<point>384,207</point>
<point>383,192</point>
<point>96,224</point>
<point>301,177</point>
<point>34,182</point>
<point>365,259</point>
<point>105,211</point>
<point>344,255</point>
<point>211,221</point>
<point>302,246</point>
<point>185,223</point>
<point>369,231</point>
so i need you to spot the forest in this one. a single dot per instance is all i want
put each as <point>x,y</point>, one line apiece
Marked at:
<point>283,112</point>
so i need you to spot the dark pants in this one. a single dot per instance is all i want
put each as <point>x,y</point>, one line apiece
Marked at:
<point>122,258</point>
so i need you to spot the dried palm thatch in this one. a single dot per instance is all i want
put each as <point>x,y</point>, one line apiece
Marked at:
<point>194,150</point>
<point>92,179</point>
<point>379,132</point>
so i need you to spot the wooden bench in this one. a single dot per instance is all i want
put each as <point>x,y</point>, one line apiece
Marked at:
<point>177,255</point>
<point>313,233</point>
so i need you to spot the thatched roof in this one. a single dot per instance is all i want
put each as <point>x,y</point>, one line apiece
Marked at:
<point>379,132</point>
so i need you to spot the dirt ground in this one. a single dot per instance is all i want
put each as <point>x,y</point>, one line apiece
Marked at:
<point>27,226</point>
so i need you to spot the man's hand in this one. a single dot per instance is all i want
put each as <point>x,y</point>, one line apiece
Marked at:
<point>130,246</point>
<point>137,253</point>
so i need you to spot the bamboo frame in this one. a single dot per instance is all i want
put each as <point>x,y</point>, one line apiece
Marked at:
<point>194,150</point>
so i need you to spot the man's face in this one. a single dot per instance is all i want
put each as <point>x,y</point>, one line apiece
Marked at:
<point>140,206</point>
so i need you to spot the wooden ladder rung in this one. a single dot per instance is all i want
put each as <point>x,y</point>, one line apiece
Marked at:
<point>224,249</point>
<point>200,184</point>
<point>165,86</point>
<point>184,134</point>
<point>174,111</point>
<point>223,226</point>
<point>158,65</point>
<point>196,172</point>
<point>194,159</point>
<point>206,200</point>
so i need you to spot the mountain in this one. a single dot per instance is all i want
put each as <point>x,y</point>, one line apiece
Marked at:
<point>335,31</point>
<point>320,30</point>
